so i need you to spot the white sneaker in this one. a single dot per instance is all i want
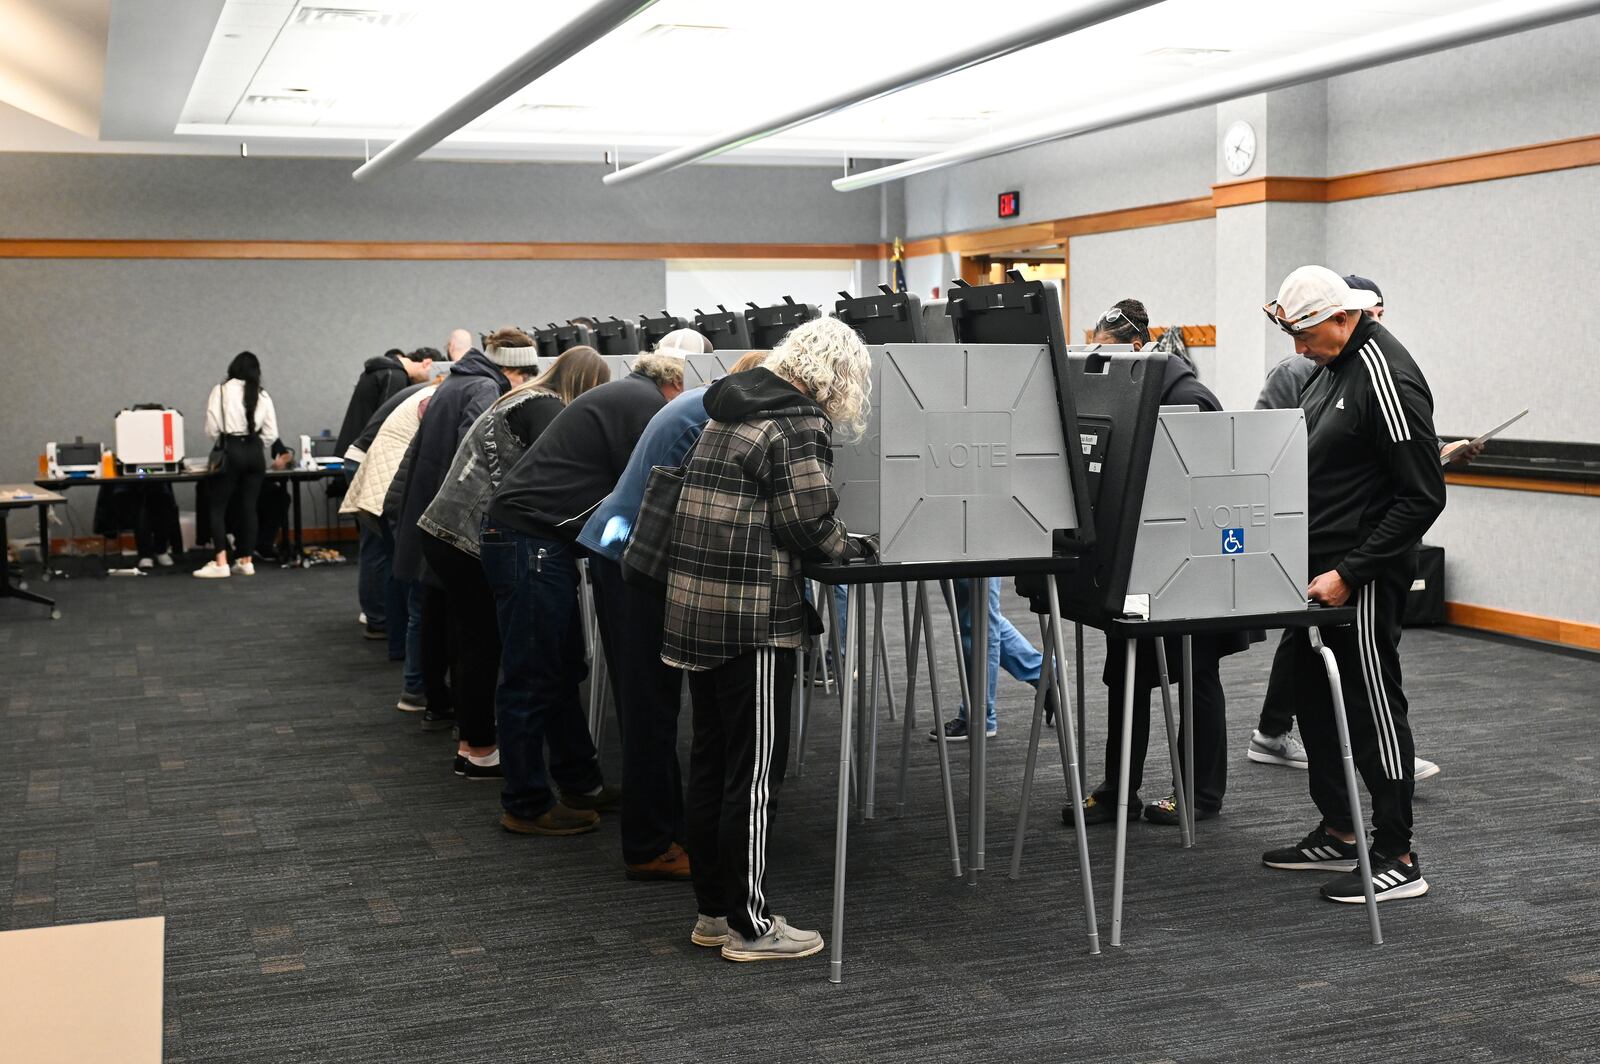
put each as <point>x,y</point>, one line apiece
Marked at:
<point>1282,749</point>
<point>164,560</point>
<point>1422,769</point>
<point>146,563</point>
<point>361,619</point>
<point>212,571</point>
<point>782,943</point>
<point>244,568</point>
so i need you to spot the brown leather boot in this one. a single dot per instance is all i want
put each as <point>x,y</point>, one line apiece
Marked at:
<point>673,864</point>
<point>557,820</point>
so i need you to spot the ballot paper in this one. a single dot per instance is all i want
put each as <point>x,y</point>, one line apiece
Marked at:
<point>1444,459</point>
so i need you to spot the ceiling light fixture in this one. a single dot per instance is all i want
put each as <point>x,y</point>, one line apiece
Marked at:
<point>351,18</point>
<point>1082,16</point>
<point>589,26</point>
<point>1405,42</point>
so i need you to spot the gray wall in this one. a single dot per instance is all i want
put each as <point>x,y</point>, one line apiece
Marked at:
<point>80,339</point>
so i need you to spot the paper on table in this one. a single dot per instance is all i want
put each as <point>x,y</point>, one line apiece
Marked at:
<point>1507,423</point>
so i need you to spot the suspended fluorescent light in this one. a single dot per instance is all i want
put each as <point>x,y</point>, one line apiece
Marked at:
<point>1082,16</point>
<point>1406,42</point>
<point>600,19</point>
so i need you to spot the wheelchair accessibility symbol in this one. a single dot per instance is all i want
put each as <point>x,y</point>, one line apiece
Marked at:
<point>1233,541</point>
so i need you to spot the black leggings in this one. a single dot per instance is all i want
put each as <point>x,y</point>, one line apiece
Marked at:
<point>236,491</point>
<point>472,635</point>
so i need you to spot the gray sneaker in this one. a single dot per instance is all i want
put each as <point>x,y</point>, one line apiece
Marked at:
<point>782,943</point>
<point>709,930</point>
<point>1282,749</point>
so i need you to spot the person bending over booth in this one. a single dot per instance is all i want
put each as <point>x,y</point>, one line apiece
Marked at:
<point>450,527</point>
<point>648,692</point>
<point>1374,486</point>
<point>530,556</point>
<point>474,382</point>
<point>1127,322</point>
<point>757,500</point>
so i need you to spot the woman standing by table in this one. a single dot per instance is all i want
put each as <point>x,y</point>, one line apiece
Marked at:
<point>241,418</point>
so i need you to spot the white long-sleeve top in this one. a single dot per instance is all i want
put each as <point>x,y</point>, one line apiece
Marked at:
<point>225,412</point>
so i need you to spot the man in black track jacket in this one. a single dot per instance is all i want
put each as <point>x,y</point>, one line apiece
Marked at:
<point>1374,487</point>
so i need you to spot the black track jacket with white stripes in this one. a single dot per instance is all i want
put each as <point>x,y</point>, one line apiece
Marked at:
<point>1374,480</point>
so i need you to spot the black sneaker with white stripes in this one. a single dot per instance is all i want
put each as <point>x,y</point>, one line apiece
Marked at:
<point>1317,852</point>
<point>1392,879</point>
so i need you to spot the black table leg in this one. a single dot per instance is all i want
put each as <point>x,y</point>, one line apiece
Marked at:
<point>44,538</point>
<point>299,558</point>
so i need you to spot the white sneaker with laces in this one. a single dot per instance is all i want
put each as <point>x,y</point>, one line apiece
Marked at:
<point>244,568</point>
<point>212,571</point>
<point>1282,749</point>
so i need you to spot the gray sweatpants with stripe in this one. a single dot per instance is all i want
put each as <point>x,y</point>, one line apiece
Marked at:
<point>1368,653</point>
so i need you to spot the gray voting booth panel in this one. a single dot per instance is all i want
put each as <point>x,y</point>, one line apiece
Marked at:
<point>855,465</point>
<point>974,464</point>
<point>1222,529</point>
<point>701,370</point>
<point>620,365</point>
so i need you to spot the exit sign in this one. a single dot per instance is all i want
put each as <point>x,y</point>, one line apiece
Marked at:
<point>1010,204</point>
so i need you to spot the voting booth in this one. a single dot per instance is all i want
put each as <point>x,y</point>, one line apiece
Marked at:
<point>885,317</point>
<point>726,329</point>
<point>651,330</point>
<point>701,370</point>
<point>617,336</point>
<point>766,326</point>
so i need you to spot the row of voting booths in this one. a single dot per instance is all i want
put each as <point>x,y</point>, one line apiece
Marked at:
<point>996,449</point>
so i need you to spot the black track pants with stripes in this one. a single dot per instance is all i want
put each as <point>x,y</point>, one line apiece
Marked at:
<point>741,742</point>
<point>1368,653</point>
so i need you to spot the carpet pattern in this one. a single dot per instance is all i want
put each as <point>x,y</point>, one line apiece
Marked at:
<point>227,754</point>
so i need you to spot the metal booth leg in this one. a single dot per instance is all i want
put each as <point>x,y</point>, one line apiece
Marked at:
<point>1179,769</point>
<point>1077,679</point>
<point>1186,703</point>
<point>1067,744</point>
<point>1363,858</point>
<point>908,718</point>
<point>943,743</point>
<point>1125,762</point>
<point>978,719</point>
<point>870,706</point>
<point>1045,686</point>
<point>853,607</point>
<point>839,650</point>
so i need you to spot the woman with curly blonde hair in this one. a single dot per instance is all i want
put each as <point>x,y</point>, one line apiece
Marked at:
<point>756,501</point>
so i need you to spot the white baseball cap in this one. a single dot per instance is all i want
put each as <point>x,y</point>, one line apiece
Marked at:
<point>680,342</point>
<point>1313,294</point>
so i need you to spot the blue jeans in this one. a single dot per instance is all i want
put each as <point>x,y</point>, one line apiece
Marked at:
<point>372,572</point>
<point>412,679</point>
<point>1007,646</point>
<point>535,582</point>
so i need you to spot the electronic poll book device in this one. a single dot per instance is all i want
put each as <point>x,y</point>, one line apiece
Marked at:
<point>75,459</point>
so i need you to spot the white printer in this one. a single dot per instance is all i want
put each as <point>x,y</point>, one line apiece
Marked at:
<point>149,440</point>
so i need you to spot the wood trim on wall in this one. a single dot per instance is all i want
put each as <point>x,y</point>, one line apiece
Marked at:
<point>1414,177</point>
<point>424,251</point>
<point>1468,479</point>
<point>1524,625</point>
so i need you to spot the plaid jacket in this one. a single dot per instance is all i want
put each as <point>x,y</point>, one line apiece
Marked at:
<point>757,498</point>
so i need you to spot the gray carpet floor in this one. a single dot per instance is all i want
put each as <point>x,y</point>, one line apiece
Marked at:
<point>228,755</point>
